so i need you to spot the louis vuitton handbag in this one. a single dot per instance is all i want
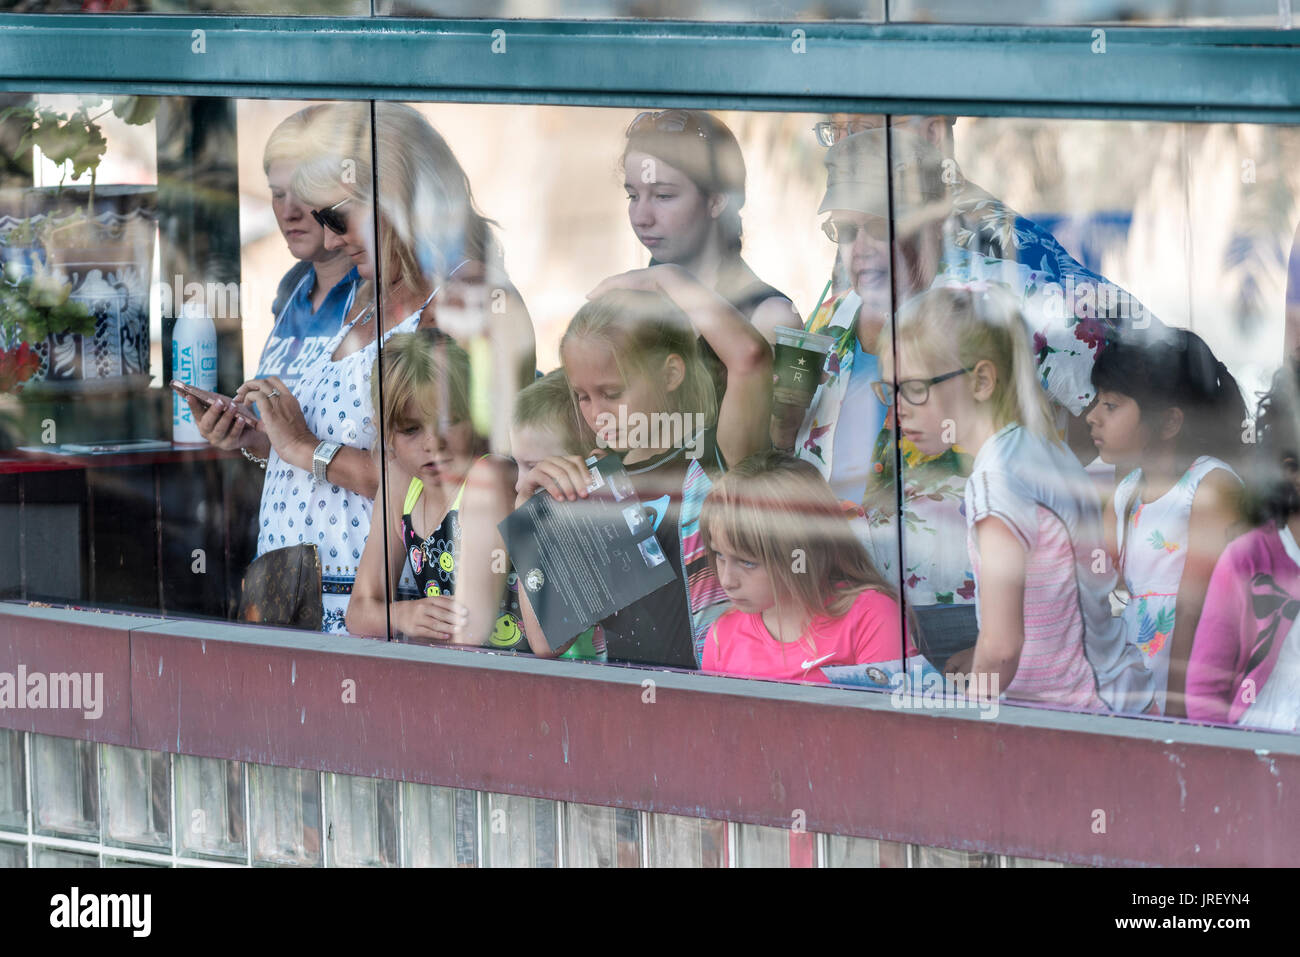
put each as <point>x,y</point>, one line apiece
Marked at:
<point>283,587</point>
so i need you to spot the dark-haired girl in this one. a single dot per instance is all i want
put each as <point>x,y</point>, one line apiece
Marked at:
<point>1167,415</point>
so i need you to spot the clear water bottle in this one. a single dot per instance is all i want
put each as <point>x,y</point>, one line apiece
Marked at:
<point>194,362</point>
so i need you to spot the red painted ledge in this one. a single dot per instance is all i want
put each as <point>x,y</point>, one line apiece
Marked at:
<point>1029,783</point>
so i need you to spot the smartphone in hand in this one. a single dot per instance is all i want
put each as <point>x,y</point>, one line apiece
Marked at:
<point>206,399</point>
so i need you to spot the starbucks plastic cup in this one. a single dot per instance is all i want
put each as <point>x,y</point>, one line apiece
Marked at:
<point>800,357</point>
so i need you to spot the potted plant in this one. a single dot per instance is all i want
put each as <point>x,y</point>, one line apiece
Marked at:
<point>74,291</point>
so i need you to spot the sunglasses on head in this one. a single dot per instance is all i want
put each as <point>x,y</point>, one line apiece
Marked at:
<point>331,218</point>
<point>667,121</point>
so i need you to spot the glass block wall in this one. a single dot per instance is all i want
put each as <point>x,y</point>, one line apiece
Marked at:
<point>70,803</point>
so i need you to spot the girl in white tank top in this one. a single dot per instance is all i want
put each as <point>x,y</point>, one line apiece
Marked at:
<point>1170,417</point>
<point>1153,542</point>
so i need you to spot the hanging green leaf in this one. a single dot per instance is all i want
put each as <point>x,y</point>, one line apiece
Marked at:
<point>135,110</point>
<point>90,152</point>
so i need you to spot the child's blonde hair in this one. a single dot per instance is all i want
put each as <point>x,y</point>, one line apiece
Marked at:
<point>548,404</point>
<point>778,511</point>
<point>642,329</point>
<point>961,326</point>
<point>424,371</point>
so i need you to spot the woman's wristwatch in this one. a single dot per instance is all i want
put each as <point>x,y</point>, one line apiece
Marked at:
<point>321,458</point>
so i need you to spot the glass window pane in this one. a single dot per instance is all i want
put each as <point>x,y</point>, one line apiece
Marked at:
<point>439,826</point>
<point>292,8</point>
<point>1215,13</point>
<point>112,294</point>
<point>111,861</point>
<point>285,811</point>
<point>13,782</point>
<point>211,820</point>
<point>13,855</point>
<point>520,832</point>
<point>1155,294</point>
<point>50,857</point>
<point>687,842</point>
<point>864,852</point>
<point>758,846</point>
<point>65,787</point>
<point>944,857</point>
<point>726,10</point>
<point>601,836</point>
<point>1032,862</point>
<point>362,821</point>
<point>136,788</point>
<point>503,326</point>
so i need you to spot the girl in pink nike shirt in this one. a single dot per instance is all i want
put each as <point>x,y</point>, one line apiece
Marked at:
<point>804,593</point>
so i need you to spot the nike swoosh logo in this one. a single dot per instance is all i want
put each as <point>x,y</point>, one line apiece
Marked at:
<point>813,664</point>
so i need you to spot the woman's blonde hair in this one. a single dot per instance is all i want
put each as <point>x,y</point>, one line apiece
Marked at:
<point>424,372</point>
<point>778,511</point>
<point>290,141</point>
<point>960,326</point>
<point>428,221</point>
<point>548,404</point>
<point>642,329</point>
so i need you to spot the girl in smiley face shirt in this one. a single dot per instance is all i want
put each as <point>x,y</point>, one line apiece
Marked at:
<point>804,592</point>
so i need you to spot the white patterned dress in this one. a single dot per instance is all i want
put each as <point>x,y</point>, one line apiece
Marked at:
<point>1153,538</point>
<point>335,400</point>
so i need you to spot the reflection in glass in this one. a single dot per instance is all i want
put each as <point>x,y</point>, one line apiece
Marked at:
<point>136,791</point>
<point>210,808</point>
<point>1123,409</point>
<point>65,787</point>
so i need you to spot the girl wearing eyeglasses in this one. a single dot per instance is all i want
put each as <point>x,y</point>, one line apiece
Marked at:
<point>966,375</point>
<point>684,176</point>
